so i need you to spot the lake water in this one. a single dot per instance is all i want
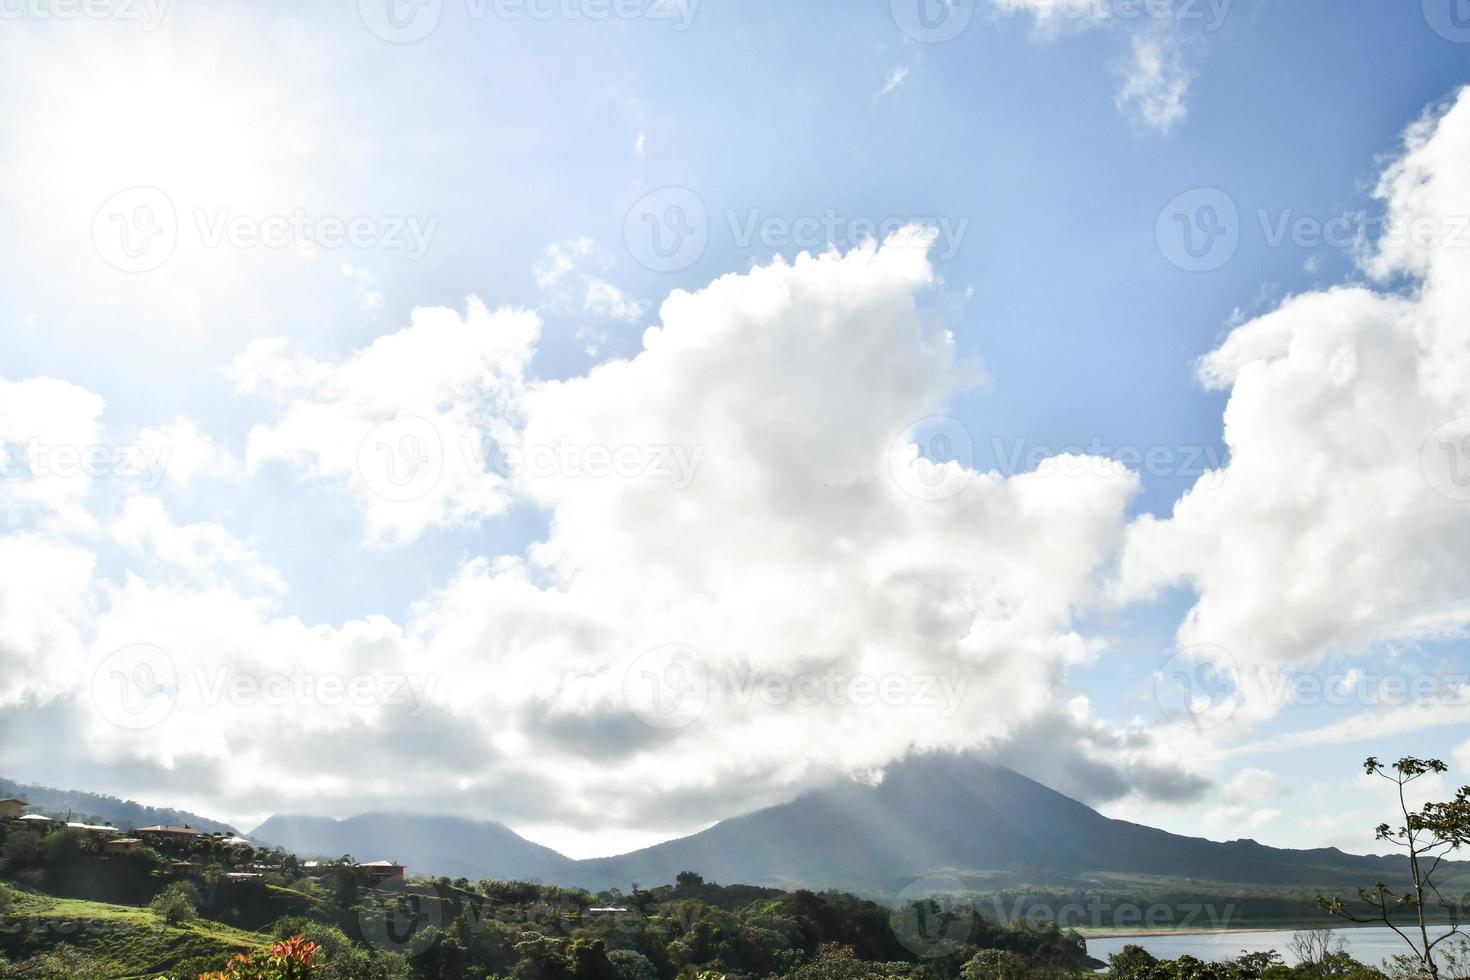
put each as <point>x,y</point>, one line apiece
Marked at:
<point>1369,944</point>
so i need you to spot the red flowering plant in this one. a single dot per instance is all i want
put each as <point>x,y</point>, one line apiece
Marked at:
<point>289,959</point>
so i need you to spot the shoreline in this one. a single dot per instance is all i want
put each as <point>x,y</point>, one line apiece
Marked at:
<point>1106,932</point>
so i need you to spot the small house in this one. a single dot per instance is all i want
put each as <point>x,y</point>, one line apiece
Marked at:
<point>170,833</point>
<point>37,821</point>
<point>11,809</point>
<point>377,872</point>
<point>120,845</point>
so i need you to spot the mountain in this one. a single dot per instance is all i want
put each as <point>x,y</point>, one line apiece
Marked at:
<point>955,815</point>
<point>934,814</point>
<point>95,808</point>
<point>424,845</point>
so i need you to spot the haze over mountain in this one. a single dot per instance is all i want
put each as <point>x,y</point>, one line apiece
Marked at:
<point>933,814</point>
<point>424,844</point>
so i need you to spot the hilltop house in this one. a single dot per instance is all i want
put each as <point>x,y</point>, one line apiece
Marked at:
<point>377,872</point>
<point>96,830</point>
<point>170,833</point>
<point>121,845</point>
<point>10,809</point>
<point>37,821</point>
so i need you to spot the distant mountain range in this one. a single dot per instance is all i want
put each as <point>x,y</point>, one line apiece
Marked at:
<point>425,845</point>
<point>95,808</point>
<point>951,815</point>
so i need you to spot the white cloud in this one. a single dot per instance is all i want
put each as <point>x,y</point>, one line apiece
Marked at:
<point>895,80</point>
<point>570,278</point>
<point>1154,83</point>
<point>51,449</point>
<point>45,593</point>
<point>561,259</point>
<point>187,455</point>
<point>1252,786</point>
<point>401,425</point>
<point>606,300</point>
<point>1153,80</point>
<point>1339,521</point>
<point>206,553</point>
<point>757,522</point>
<point>1234,821</point>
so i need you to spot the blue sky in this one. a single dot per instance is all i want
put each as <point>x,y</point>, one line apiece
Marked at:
<point>1046,146</point>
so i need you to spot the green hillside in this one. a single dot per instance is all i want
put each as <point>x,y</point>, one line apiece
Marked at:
<point>118,940</point>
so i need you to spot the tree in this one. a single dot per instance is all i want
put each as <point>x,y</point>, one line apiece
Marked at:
<point>631,965</point>
<point>176,904</point>
<point>1426,836</point>
<point>1131,960</point>
<point>1315,949</point>
<point>995,964</point>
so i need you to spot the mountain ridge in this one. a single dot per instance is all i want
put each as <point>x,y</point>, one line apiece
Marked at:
<point>96,807</point>
<point>929,815</point>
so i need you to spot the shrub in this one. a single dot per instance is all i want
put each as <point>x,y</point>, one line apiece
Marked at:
<point>176,904</point>
<point>289,959</point>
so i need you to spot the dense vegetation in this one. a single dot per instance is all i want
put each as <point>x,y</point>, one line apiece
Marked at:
<point>162,915</point>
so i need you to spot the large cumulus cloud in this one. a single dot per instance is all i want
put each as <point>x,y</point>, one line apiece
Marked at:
<point>739,498</point>
<point>1343,517</point>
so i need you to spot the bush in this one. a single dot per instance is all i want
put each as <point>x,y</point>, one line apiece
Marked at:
<point>289,959</point>
<point>630,965</point>
<point>62,963</point>
<point>176,904</point>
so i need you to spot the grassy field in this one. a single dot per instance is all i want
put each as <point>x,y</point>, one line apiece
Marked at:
<point>123,940</point>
